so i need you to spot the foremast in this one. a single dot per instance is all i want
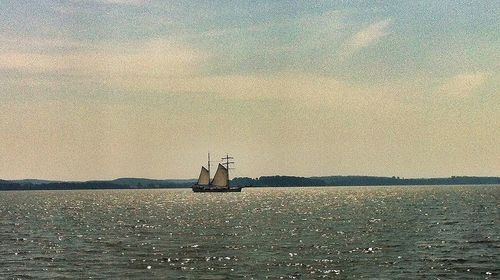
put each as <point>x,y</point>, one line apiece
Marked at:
<point>208,166</point>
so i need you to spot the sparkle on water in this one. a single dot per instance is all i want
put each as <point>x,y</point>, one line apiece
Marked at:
<point>356,232</point>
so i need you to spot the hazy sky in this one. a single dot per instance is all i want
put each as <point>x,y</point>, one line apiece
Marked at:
<point>112,88</point>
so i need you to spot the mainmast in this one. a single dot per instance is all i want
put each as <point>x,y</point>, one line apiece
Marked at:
<point>227,163</point>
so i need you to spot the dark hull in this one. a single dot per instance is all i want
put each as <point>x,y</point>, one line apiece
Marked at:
<point>198,188</point>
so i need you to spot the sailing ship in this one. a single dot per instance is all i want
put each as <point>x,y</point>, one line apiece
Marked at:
<point>220,182</point>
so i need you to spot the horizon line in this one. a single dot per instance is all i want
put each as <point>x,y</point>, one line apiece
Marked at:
<point>251,177</point>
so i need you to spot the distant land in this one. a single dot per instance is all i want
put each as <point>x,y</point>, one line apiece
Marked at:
<point>264,181</point>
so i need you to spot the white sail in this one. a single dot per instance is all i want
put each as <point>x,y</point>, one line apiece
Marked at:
<point>204,178</point>
<point>221,177</point>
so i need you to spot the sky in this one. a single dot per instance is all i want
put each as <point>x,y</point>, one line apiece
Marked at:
<point>101,89</point>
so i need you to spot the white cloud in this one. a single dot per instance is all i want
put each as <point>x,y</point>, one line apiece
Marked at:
<point>123,2</point>
<point>36,44</point>
<point>366,37</point>
<point>154,58</point>
<point>296,87</point>
<point>30,62</point>
<point>159,66</point>
<point>463,84</point>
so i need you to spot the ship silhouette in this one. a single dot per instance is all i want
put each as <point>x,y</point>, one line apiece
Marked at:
<point>220,182</point>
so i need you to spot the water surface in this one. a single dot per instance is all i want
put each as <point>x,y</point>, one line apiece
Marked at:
<point>449,232</point>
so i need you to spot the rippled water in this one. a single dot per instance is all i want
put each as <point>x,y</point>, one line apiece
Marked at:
<point>371,232</point>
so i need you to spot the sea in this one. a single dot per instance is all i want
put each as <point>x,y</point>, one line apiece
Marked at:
<point>396,232</point>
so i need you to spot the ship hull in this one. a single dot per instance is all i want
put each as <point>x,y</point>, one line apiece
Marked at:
<point>198,188</point>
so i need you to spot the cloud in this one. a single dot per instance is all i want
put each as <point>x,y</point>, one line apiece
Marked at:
<point>158,66</point>
<point>31,62</point>
<point>123,2</point>
<point>366,37</point>
<point>36,44</point>
<point>463,84</point>
<point>303,89</point>
<point>153,58</point>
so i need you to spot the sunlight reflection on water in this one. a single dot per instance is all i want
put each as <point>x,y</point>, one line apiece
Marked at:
<point>346,232</point>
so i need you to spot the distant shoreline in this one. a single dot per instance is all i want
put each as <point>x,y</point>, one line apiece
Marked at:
<point>264,181</point>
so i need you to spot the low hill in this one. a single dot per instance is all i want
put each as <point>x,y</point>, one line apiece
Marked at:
<point>143,182</point>
<point>360,181</point>
<point>264,181</point>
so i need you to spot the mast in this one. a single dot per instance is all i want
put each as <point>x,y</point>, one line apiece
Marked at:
<point>227,163</point>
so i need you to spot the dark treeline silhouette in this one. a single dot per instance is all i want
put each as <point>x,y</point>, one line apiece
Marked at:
<point>360,181</point>
<point>92,185</point>
<point>264,181</point>
<point>7,185</point>
<point>278,181</point>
